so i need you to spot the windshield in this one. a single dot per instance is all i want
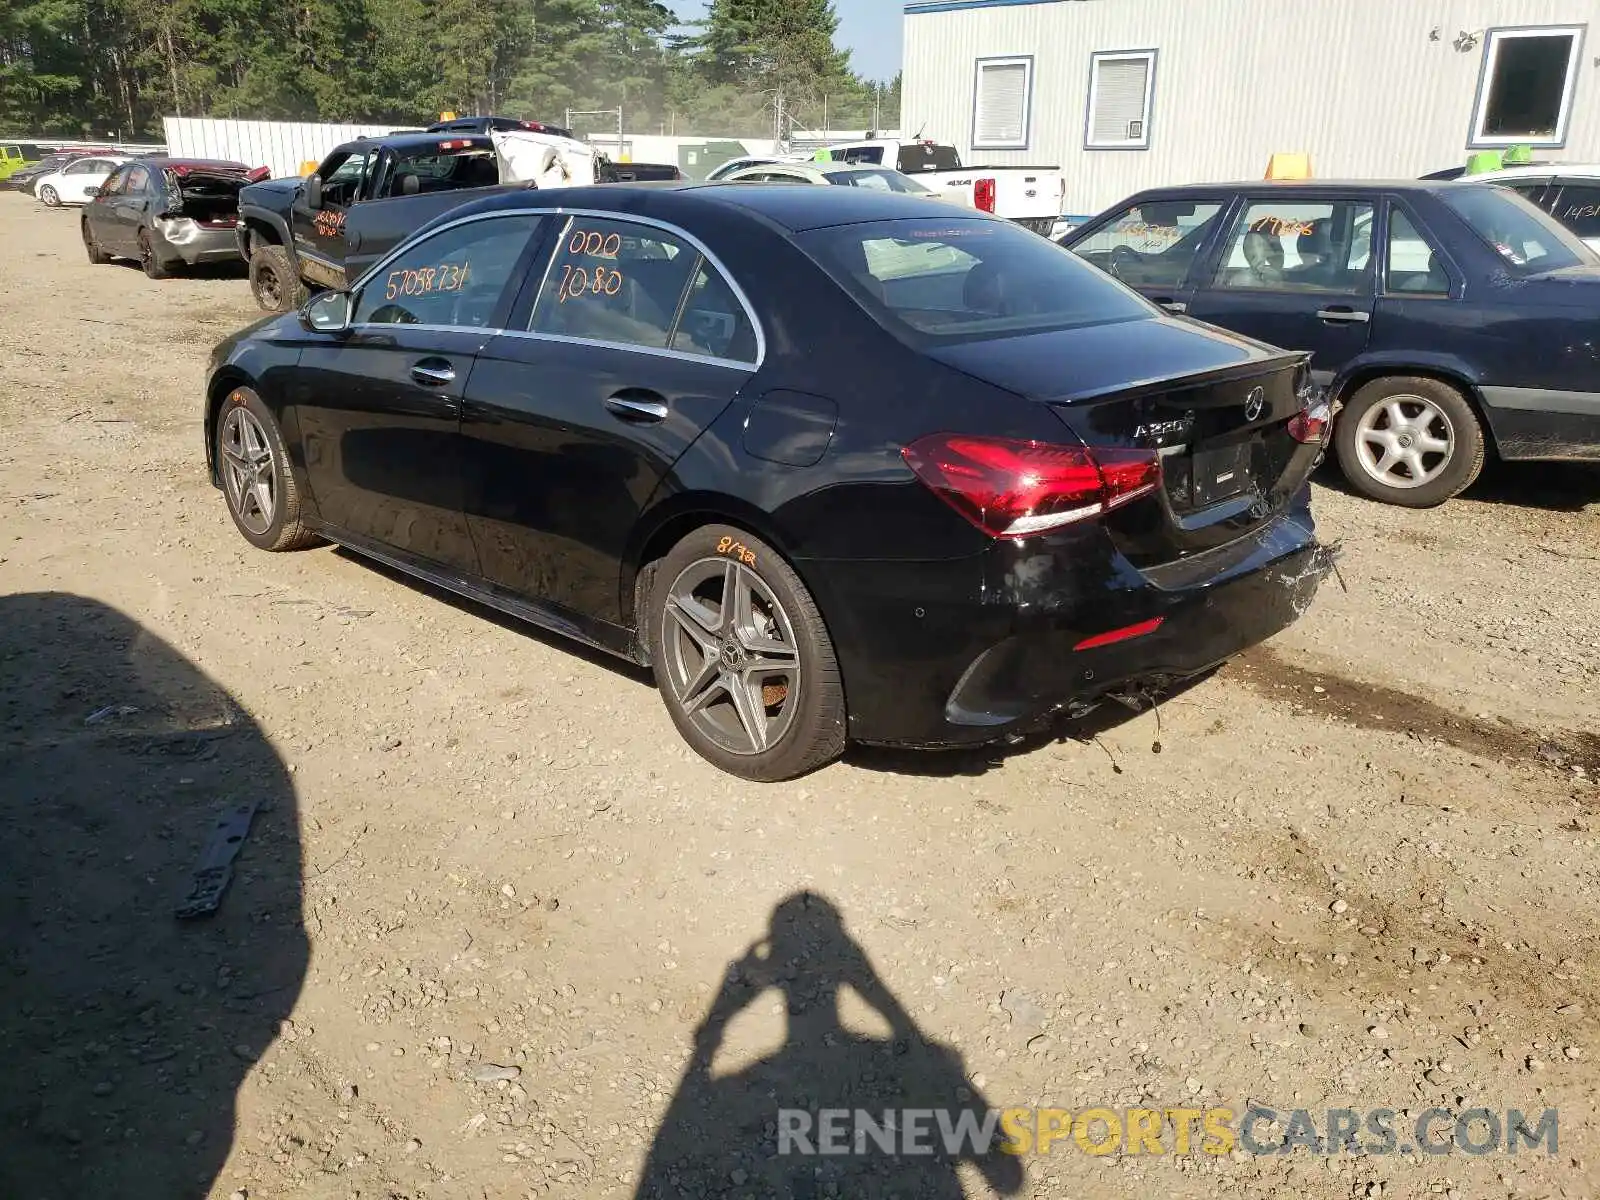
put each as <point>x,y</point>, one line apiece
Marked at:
<point>1526,238</point>
<point>939,280</point>
<point>880,180</point>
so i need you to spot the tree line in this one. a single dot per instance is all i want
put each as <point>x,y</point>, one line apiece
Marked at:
<point>750,68</point>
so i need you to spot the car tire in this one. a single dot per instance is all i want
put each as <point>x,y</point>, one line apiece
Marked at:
<point>49,197</point>
<point>253,469</point>
<point>273,280</point>
<point>702,658</point>
<point>97,256</point>
<point>150,257</point>
<point>1409,440</point>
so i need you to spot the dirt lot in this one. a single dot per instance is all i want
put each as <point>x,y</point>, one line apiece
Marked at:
<point>1361,872</point>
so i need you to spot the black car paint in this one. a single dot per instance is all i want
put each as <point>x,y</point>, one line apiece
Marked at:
<point>1521,347</point>
<point>945,635</point>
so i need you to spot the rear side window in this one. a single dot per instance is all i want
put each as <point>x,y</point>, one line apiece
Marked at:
<point>1300,246</point>
<point>880,181</point>
<point>963,279</point>
<point>454,278</point>
<point>1414,266</point>
<point>1152,244</point>
<point>614,281</point>
<point>1578,208</point>
<point>1527,239</point>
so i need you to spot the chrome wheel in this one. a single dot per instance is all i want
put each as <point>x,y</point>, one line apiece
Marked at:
<point>249,473</point>
<point>731,657</point>
<point>1405,441</point>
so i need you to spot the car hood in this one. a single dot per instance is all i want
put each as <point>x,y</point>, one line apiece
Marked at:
<point>1092,360</point>
<point>268,190</point>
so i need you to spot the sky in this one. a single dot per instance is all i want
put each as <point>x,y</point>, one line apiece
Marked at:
<point>869,29</point>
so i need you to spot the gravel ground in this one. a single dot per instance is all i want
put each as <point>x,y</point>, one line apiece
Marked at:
<point>496,933</point>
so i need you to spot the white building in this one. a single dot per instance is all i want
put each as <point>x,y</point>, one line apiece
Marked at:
<point>1130,94</point>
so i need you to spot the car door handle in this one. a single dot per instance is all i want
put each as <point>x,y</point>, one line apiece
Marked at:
<point>637,406</point>
<point>1343,314</point>
<point>433,372</point>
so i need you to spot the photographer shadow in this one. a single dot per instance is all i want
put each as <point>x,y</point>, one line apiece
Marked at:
<point>125,1031</point>
<point>728,1135</point>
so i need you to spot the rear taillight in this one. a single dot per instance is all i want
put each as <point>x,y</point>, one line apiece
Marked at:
<point>1017,489</point>
<point>1310,425</point>
<point>983,195</point>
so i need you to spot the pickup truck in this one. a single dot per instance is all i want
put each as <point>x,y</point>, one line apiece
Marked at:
<point>367,196</point>
<point>1033,197</point>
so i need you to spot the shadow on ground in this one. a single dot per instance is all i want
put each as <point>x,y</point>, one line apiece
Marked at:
<point>126,1032</point>
<point>721,1133</point>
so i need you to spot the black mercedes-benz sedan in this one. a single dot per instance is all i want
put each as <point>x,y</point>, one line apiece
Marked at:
<point>835,466</point>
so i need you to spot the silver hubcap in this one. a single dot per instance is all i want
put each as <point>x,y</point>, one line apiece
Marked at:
<point>731,655</point>
<point>248,472</point>
<point>1405,442</point>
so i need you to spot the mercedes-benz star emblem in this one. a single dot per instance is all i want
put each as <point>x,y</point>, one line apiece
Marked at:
<point>1254,403</point>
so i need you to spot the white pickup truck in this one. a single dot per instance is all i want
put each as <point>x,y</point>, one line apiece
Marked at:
<point>1031,196</point>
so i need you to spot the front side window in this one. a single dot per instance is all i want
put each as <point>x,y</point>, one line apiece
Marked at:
<point>342,185</point>
<point>454,278</point>
<point>1121,86</point>
<point>136,180</point>
<point>1525,86</point>
<point>934,281</point>
<point>1578,208</point>
<point>117,184</point>
<point>615,281</point>
<point>1152,244</point>
<point>1414,268</point>
<point>1526,238</point>
<point>1300,246</point>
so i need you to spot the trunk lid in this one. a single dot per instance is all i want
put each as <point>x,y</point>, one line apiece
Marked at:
<point>208,198</point>
<point>1213,408</point>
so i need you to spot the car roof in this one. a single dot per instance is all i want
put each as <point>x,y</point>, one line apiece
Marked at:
<point>1311,185</point>
<point>1540,170</point>
<point>792,207</point>
<point>407,141</point>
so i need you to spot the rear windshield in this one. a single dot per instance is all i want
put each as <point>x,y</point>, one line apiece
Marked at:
<point>939,280</point>
<point>923,157</point>
<point>1526,237</point>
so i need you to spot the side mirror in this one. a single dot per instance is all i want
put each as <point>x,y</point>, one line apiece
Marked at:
<point>94,193</point>
<point>327,313</point>
<point>313,192</point>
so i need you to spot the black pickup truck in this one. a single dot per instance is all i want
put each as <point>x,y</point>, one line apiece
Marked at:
<point>365,198</point>
<point>292,231</point>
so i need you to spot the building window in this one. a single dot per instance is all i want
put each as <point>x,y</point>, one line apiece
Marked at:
<point>1526,86</point>
<point>1002,103</point>
<point>1121,84</point>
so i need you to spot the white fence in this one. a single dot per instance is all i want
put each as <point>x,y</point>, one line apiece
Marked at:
<point>279,145</point>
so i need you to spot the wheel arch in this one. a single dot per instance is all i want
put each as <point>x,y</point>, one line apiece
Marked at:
<point>667,524</point>
<point>1454,375</point>
<point>224,381</point>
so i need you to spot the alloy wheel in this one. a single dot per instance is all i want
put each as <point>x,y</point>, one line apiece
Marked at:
<point>146,254</point>
<point>48,195</point>
<point>732,659</point>
<point>1405,441</point>
<point>249,472</point>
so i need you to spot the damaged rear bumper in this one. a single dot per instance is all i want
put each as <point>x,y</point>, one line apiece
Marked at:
<point>1003,665</point>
